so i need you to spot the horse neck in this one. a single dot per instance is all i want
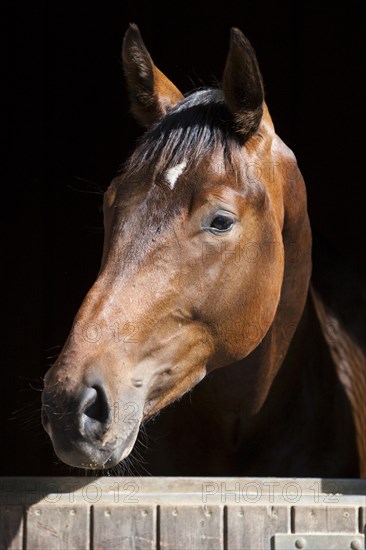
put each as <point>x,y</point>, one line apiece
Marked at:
<point>230,383</point>
<point>223,393</point>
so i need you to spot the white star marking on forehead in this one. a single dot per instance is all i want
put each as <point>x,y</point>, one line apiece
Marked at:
<point>173,173</point>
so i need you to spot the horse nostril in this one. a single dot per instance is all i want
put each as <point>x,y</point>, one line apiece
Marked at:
<point>95,411</point>
<point>98,409</point>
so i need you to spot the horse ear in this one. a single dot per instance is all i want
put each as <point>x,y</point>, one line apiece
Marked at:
<point>242,84</point>
<point>152,94</point>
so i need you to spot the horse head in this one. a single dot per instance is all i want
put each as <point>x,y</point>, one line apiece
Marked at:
<point>206,261</point>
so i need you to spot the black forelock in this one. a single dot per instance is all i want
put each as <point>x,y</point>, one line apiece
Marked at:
<point>200,123</point>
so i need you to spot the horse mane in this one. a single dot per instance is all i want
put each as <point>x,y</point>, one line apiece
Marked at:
<point>198,125</point>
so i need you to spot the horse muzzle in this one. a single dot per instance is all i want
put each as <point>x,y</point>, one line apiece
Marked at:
<point>87,428</point>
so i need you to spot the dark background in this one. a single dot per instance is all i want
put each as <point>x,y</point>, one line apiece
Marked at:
<point>67,130</point>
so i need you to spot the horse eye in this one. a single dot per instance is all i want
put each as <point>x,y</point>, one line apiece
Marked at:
<point>222,223</point>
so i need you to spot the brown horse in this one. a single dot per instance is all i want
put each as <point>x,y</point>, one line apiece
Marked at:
<point>204,284</point>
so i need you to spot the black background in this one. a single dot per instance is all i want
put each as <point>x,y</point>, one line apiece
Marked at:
<point>67,130</point>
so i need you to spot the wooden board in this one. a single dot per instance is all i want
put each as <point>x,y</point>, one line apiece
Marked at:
<point>254,526</point>
<point>124,527</point>
<point>198,527</point>
<point>54,527</point>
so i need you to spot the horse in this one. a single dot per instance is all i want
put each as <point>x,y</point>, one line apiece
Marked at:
<point>203,319</point>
